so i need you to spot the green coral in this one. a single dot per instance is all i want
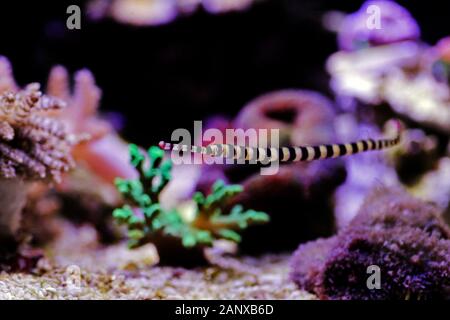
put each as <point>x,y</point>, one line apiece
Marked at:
<point>145,218</point>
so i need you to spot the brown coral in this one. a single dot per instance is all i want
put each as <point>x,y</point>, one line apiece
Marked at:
<point>39,217</point>
<point>32,145</point>
<point>100,159</point>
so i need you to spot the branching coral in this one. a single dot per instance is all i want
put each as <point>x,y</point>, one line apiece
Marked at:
<point>81,114</point>
<point>31,144</point>
<point>105,154</point>
<point>147,220</point>
<point>7,82</point>
<point>88,193</point>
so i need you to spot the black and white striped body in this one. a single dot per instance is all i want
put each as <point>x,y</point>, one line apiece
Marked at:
<point>285,154</point>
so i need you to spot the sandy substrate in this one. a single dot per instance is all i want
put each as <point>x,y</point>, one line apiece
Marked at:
<point>82,270</point>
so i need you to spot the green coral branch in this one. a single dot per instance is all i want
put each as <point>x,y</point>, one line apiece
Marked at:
<point>145,218</point>
<point>239,218</point>
<point>133,191</point>
<point>154,173</point>
<point>220,194</point>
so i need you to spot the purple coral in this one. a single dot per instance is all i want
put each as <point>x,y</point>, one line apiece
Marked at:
<point>405,237</point>
<point>302,116</point>
<point>396,24</point>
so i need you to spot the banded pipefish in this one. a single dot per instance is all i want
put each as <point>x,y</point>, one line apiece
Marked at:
<point>288,154</point>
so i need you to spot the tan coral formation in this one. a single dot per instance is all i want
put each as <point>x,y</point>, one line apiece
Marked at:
<point>34,146</point>
<point>105,154</point>
<point>88,193</point>
<point>101,157</point>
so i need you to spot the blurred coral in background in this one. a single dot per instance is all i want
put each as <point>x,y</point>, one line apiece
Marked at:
<point>157,12</point>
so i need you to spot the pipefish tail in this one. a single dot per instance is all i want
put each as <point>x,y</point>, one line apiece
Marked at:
<point>288,154</point>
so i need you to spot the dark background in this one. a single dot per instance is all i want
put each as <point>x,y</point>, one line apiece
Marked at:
<point>162,78</point>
